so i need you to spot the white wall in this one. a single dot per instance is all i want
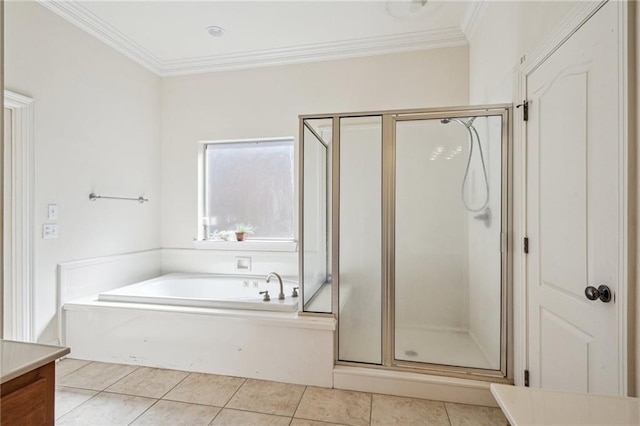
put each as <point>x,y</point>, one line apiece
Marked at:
<point>267,101</point>
<point>506,32</point>
<point>97,129</point>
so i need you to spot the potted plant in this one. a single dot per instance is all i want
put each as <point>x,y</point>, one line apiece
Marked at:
<point>242,230</point>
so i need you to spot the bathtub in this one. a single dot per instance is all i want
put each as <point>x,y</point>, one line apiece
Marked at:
<point>207,291</point>
<point>162,323</point>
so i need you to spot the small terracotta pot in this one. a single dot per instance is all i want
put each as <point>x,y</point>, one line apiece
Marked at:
<point>240,236</point>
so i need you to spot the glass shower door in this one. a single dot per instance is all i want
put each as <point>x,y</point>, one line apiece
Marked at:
<point>448,234</point>
<point>316,146</point>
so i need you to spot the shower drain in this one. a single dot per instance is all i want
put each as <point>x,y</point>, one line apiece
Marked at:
<point>411,353</point>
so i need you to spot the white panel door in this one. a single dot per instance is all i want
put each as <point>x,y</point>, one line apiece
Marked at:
<point>573,211</point>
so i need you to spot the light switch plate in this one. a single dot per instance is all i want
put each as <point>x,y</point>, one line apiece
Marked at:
<point>52,212</point>
<point>49,231</point>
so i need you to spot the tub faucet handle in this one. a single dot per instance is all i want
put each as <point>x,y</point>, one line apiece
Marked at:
<point>266,297</point>
<point>294,293</point>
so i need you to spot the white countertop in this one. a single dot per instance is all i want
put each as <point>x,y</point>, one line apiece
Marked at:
<point>19,357</point>
<point>528,406</point>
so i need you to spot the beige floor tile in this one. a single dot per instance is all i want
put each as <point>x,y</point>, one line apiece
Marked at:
<point>107,409</point>
<point>228,417</point>
<point>68,365</point>
<point>96,375</point>
<point>208,389</point>
<point>474,415</point>
<point>177,413</point>
<point>335,406</point>
<point>149,382</point>
<point>69,398</point>
<point>395,410</point>
<point>267,397</point>
<point>305,422</point>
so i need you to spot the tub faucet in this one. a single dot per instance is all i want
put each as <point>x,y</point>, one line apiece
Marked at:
<point>273,274</point>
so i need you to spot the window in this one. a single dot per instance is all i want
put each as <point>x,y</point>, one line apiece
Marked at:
<point>248,182</point>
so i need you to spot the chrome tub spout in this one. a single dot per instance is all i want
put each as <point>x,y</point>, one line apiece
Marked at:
<point>273,274</point>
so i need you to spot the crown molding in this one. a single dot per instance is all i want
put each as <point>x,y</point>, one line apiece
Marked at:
<point>423,40</point>
<point>472,17</point>
<point>80,16</point>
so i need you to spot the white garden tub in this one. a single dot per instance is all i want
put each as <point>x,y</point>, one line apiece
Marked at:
<point>207,291</point>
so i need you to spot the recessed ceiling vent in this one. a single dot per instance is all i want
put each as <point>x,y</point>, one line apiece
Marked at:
<point>215,31</point>
<point>406,8</point>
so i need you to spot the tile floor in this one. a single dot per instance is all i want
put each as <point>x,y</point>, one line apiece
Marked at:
<point>96,393</point>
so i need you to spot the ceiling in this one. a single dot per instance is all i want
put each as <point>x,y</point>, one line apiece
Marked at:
<point>170,37</point>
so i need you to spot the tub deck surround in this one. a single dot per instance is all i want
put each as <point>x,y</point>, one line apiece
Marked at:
<point>279,346</point>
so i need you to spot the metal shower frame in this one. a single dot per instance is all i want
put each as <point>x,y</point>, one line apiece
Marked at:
<point>389,119</point>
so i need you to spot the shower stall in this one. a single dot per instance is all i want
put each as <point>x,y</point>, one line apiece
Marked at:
<point>405,225</point>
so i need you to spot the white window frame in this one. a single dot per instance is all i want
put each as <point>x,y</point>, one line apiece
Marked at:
<point>250,245</point>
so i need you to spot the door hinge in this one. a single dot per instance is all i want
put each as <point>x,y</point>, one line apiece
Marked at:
<point>526,378</point>
<point>526,245</point>
<point>525,110</point>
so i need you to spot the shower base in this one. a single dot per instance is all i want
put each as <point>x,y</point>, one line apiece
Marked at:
<point>446,347</point>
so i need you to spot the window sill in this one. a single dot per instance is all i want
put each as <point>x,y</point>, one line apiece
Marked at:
<point>250,245</point>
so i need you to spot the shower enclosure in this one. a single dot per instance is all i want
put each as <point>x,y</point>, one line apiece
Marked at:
<point>405,224</point>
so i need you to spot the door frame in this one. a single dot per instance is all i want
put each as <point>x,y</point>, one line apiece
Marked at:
<point>18,216</point>
<point>576,18</point>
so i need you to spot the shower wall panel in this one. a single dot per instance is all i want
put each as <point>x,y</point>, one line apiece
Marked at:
<point>360,327</point>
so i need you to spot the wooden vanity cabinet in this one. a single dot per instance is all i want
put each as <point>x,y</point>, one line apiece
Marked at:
<point>29,399</point>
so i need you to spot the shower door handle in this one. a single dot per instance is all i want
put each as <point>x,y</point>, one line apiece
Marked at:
<point>603,293</point>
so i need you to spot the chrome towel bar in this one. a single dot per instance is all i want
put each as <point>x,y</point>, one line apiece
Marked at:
<point>140,199</point>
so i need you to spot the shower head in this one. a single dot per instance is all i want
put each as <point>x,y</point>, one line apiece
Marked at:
<point>457,120</point>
